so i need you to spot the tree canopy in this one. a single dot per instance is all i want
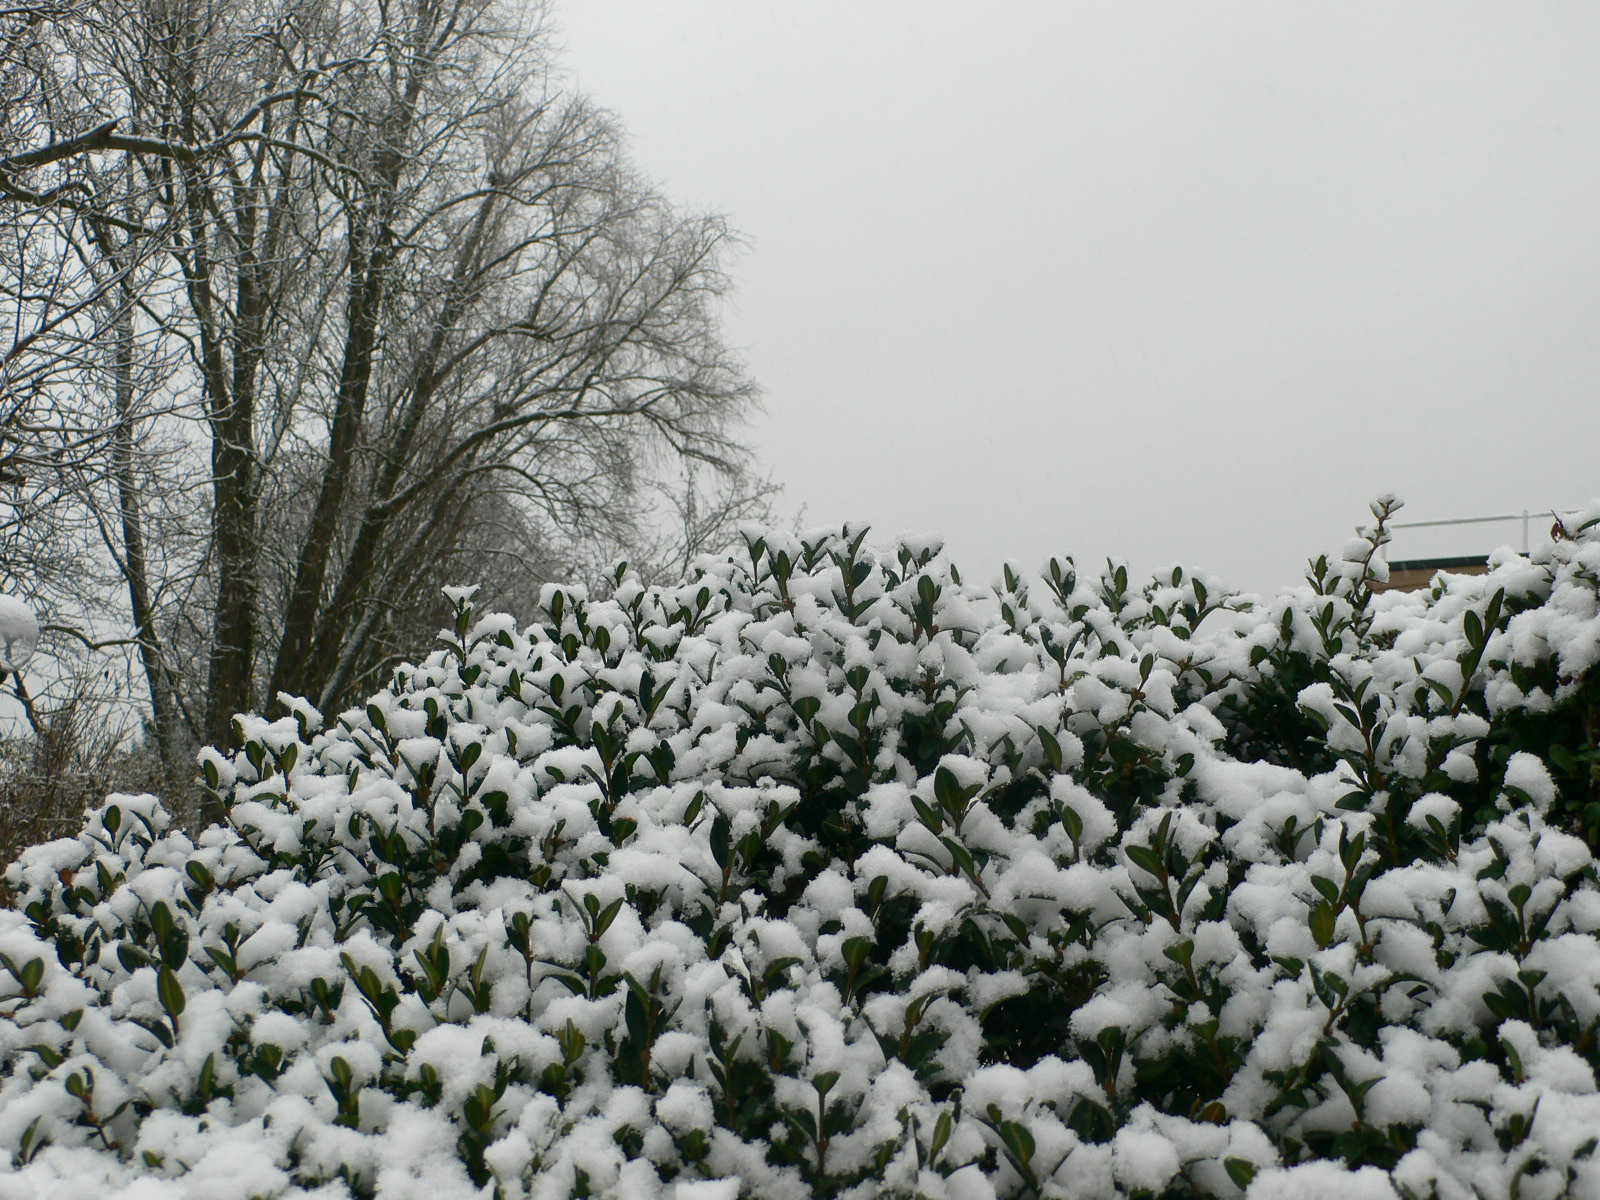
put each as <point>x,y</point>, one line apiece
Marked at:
<point>315,303</point>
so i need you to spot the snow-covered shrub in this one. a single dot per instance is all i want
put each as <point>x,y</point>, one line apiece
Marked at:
<point>828,873</point>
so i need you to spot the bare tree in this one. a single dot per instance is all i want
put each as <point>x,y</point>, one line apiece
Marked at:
<point>398,292</point>
<point>74,381</point>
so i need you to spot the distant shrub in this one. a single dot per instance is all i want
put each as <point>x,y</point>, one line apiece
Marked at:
<point>827,873</point>
<point>52,773</point>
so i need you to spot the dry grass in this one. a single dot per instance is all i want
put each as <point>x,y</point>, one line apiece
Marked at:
<point>69,761</point>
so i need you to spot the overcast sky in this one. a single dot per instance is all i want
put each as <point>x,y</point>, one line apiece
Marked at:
<point>1174,282</point>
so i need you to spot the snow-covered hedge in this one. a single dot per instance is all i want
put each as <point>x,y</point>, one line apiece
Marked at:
<point>828,873</point>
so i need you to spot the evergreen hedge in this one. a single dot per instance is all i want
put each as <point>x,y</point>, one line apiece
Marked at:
<point>828,873</point>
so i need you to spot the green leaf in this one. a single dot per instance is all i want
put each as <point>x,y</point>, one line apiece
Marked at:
<point>948,792</point>
<point>170,992</point>
<point>132,957</point>
<point>933,821</point>
<point>1163,834</point>
<point>635,1016</point>
<point>342,1075</point>
<point>1322,923</point>
<point>1018,1139</point>
<point>572,983</point>
<point>1145,859</point>
<point>32,975</point>
<point>961,855</point>
<point>1051,747</point>
<point>721,842</point>
<point>607,916</point>
<point>223,959</point>
<point>161,920</point>
<point>1240,1170</point>
<point>156,1029</point>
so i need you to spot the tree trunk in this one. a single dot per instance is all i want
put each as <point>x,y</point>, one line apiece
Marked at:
<point>233,517</point>
<point>135,561</point>
<point>322,658</point>
<point>291,672</point>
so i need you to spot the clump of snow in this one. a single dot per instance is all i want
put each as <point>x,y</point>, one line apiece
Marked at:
<point>19,633</point>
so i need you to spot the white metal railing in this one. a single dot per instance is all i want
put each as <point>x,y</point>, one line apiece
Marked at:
<point>1524,516</point>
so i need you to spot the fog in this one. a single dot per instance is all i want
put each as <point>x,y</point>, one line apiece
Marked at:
<point>1176,283</point>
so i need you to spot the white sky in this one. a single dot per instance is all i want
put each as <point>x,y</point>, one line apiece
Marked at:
<point>1175,282</point>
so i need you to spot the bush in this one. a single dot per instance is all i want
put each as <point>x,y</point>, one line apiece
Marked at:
<point>828,874</point>
<point>76,753</point>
